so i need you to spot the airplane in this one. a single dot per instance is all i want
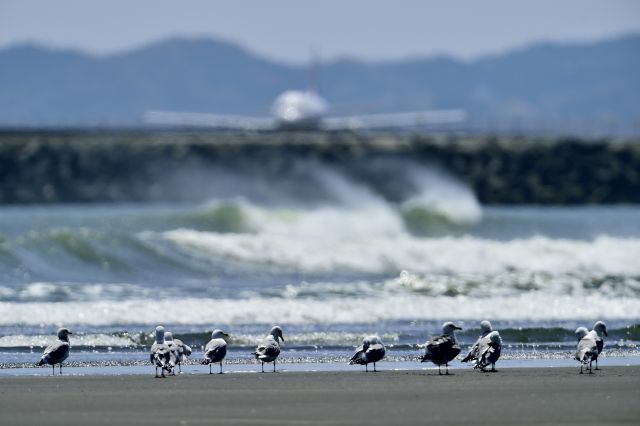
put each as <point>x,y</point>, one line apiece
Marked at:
<point>304,110</point>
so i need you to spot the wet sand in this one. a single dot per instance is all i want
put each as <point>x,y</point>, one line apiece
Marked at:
<point>511,396</point>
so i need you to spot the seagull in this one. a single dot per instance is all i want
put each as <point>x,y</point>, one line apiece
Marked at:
<point>599,328</point>
<point>269,348</point>
<point>473,354</point>
<point>486,350</point>
<point>58,351</point>
<point>489,351</point>
<point>371,351</point>
<point>587,350</point>
<point>161,355</point>
<point>179,349</point>
<point>442,349</point>
<point>216,349</point>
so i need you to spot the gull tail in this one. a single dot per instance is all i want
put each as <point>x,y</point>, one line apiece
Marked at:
<point>426,357</point>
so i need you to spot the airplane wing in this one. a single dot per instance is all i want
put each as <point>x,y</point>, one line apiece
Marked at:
<point>399,119</point>
<point>216,121</point>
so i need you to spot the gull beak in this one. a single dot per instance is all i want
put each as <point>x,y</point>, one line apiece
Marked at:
<point>282,337</point>
<point>226,335</point>
<point>69,333</point>
<point>605,333</point>
<point>455,327</point>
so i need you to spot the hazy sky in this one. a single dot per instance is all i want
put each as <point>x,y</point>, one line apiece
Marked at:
<point>288,29</point>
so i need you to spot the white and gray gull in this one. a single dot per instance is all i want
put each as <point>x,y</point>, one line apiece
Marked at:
<point>444,348</point>
<point>179,349</point>
<point>485,327</point>
<point>269,348</point>
<point>587,350</point>
<point>161,355</point>
<point>58,351</point>
<point>216,349</point>
<point>486,350</point>
<point>371,351</point>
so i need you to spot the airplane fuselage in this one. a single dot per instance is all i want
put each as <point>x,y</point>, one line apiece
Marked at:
<point>297,110</point>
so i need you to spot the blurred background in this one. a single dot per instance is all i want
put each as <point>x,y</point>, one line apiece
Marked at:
<point>340,168</point>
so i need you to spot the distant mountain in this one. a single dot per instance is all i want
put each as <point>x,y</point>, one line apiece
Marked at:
<point>543,85</point>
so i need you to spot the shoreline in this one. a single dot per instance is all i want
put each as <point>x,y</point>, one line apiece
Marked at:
<point>518,395</point>
<point>241,366</point>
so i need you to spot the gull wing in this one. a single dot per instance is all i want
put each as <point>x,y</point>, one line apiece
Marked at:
<point>207,120</point>
<point>359,356</point>
<point>215,350</point>
<point>55,353</point>
<point>398,119</point>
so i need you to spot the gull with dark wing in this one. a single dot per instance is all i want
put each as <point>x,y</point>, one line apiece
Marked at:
<point>161,355</point>
<point>442,349</point>
<point>179,349</point>
<point>474,351</point>
<point>269,348</point>
<point>371,351</point>
<point>216,349</point>
<point>600,328</point>
<point>58,351</point>
<point>587,350</point>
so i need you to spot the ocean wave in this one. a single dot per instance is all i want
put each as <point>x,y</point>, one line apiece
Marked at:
<point>375,254</point>
<point>121,340</point>
<point>332,310</point>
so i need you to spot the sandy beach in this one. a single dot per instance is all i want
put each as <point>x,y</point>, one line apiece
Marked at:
<point>511,396</point>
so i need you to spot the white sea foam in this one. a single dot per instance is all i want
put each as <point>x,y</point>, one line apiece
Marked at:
<point>52,291</point>
<point>443,194</point>
<point>376,254</point>
<point>331,310</point>
<point>87,340</point>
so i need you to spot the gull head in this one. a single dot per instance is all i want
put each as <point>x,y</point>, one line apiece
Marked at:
<point>63,334</point>
<point>485,326</point>
<point>219,334</point>
<point>276,332</point>
<point>600,327</point>
<point>168,336</point>
<point>159,334</point>
<point>371,340</point>
<point>449,327</point>
<point>581,332</point>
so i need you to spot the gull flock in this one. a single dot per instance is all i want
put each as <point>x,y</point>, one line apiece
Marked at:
<point>167,352</point>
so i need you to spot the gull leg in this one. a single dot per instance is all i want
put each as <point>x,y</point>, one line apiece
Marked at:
<point>597,365</point>
<point>61,369</point>
<point>590,367</point>
<point>274,366</point>
<point>581,365</point>
<point>446,365</point>
<point>220,367</point>
<point>210,368</point>
<point>366,368</point>
<point>493,367</point>
<point>156,371</point>
<point>180,368</point>
<point>439,370</point>
<point>262,366</point>
<point>53,367</point>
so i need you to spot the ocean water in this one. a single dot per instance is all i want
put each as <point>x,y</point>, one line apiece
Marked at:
<point>329,258</point>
